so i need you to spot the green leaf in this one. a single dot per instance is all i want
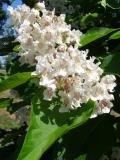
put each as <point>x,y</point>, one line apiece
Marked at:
<point>111,64</point>
<point>17,48</point>
<point>88,17</point>
<point>113,4</point>
<point>47,125</point>
<point>103,3</point>
<point>82,140</point>
<point>5,102</point>
<point>110,3</point>
<point>81,157</point>
<point>15,80</point>
<point>74,142</point>
<point>94,34</point>
<point>115,35</point>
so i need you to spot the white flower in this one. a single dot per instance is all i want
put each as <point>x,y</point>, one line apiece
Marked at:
<point>65,71</point>
<point>65,99</point>
<point>34,13</point>
<point>108,81</point>
<point>44,81</point>
<point>40,6</point>
<point>49,93</point>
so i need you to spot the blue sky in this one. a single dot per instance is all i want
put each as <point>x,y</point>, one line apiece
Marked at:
<point>14,5</point>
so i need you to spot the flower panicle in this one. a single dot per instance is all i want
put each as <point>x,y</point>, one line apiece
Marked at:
<point>48,42</point>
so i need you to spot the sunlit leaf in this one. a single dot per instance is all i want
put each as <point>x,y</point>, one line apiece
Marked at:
<point>47,125</point>
<point>15,80</point>
<point>110,3</point>
<point>89,16</point>
<point>17,48</point>
<point>81,157</point>
<point>94,34</point>
<point>115,35</point>
<point>103,3</point>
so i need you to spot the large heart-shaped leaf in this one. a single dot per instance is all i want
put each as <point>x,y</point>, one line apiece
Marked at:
<point>94,34</point>
<point>15,80</point>
<point>47,125</point>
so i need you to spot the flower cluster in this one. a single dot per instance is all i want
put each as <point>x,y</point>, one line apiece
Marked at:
<point>40,31</point>
<point>66,72</point>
